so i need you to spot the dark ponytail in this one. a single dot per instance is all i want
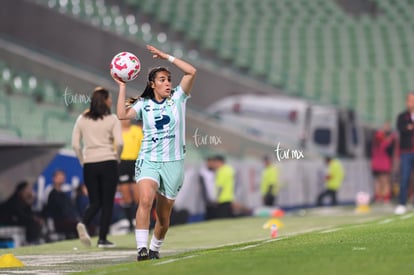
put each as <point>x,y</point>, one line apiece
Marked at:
<point>148,91</point>
<point>131,101</point>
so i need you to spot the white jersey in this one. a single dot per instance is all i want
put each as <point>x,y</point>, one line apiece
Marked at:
<point>163,126</point>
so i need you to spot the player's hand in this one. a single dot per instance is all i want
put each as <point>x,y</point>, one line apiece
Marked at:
<point>157,54</point>
<point>120,82</point>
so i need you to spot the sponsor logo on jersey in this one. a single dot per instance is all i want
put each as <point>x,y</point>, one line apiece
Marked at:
<point>160,121</point>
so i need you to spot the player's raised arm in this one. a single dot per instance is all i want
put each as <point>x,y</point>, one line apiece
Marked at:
<point>188,69</point>
<point>121,110</point>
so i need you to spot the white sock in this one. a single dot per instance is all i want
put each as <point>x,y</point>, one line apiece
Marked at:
<point>156,244</point>
<point>141,236</point>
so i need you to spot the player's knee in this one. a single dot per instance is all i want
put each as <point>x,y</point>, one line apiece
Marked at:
<point>146,202</point>
<point>164,221</point>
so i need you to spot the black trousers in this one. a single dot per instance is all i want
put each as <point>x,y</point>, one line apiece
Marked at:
<point>101,179</point>
<point>327,193</point>
<point>211,212</point>
<point>224,210</point>
<point>269,200</point>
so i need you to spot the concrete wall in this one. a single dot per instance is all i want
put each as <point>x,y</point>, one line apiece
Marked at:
<point>22,161</point>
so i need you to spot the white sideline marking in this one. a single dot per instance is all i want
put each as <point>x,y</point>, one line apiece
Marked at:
<point>45,261</point>
<point>309,230</point>
<point>58,259</point>
<point>258,244</point>
<point>246,247</point>
<point>359,248</point>
<point>38,271</point>
<point>275,239</point>
<point>284,237</point>
<point>176,260</point>
<point>330,230</point>
<point>406,216</point>
<point>385,221</point>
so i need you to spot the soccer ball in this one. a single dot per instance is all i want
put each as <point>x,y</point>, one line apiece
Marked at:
<point>125,66</point>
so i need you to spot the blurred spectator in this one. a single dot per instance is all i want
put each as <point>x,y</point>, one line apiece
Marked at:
<point>61,208</point>
<point>81,199</point>
<point>118,211</point>
<point>208,188</point>
<point>132,136</point>
<point>97,142</point>
<point>381,162</point>
<point>224,187</point>
<point>405,126</point>
<point>17,211</point>
<point>179,216</point>
<point>269,186</point>
<point>333,180</point>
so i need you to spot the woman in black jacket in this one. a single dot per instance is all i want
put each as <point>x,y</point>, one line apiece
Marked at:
<point>405,126</point>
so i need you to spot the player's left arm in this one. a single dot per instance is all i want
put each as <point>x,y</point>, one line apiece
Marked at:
<point>188,69</point>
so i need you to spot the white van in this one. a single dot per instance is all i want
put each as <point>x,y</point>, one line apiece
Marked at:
<point>294,123</point>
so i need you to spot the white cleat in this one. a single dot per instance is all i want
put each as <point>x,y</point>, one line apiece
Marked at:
<point>83,234</point>
<point>400,210</point>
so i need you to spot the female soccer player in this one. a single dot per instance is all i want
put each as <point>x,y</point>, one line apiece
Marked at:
<point>99,131</point>
<point>159,169</point>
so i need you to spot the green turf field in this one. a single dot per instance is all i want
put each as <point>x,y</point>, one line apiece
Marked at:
<point>324,242</point>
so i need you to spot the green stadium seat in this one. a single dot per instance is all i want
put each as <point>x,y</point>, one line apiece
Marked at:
<point>313,46</point>
<point>6,75</point>
<point>133,3</point>
<point>21,110</point>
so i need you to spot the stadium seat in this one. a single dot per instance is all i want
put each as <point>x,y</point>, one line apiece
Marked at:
<point>30,99</point>
<point>308,48</point>
<point>6,75</point>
